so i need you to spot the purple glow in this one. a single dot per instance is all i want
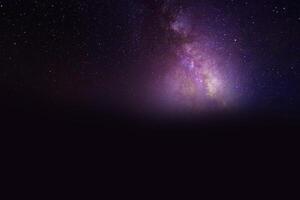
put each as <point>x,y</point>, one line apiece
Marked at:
<point>202,74</point>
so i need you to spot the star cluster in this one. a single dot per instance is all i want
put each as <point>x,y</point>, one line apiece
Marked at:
<point>203,72</point>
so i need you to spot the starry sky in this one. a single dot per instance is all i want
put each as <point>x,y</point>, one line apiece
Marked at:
<point>152,56</point>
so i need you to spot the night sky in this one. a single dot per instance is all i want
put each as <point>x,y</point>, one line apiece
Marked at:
<point>151,58</point>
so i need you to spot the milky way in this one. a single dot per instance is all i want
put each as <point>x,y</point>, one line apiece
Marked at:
<point>203,72</point>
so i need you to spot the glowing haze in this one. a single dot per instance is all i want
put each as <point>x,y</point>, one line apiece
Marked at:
<point>203,74</point>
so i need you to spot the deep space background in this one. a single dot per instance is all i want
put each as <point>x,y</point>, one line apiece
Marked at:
<point>129,66</point>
